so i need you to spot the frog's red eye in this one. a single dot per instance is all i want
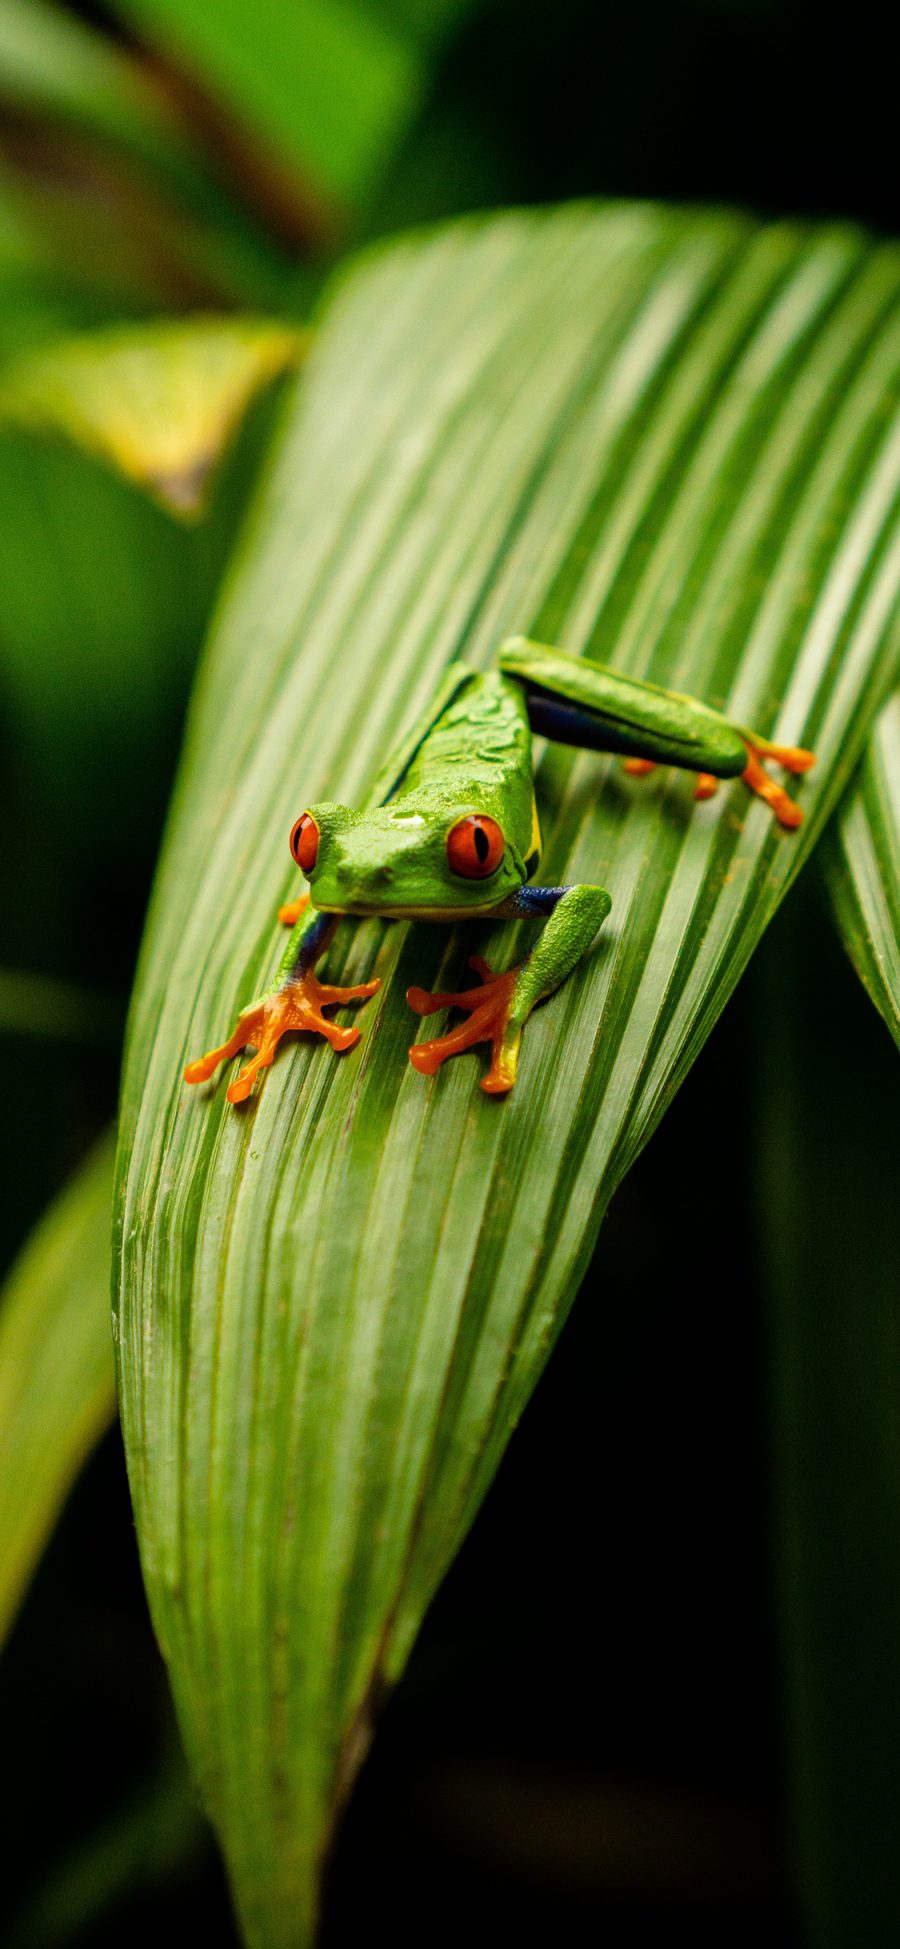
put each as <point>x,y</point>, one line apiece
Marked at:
<point>305,842</point>
<point>475,846</point>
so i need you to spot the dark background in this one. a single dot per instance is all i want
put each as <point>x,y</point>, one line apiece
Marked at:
<point>592,1743</point>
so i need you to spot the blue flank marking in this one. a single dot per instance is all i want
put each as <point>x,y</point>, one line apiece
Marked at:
<point>535,902</point>
<point>565,723</point>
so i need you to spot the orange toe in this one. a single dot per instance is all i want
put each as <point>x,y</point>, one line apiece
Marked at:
<point>296,1005</point>
<point>201,1070</point>
<point>488,1009</point>
<point>791,756</point>
<point>758,781</point>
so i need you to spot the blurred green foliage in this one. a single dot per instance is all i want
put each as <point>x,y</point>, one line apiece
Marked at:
<point>327,89</point>
<point>57,1391</point>
<point>827,1122</point>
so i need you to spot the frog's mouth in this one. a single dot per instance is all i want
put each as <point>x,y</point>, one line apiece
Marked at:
<point>386,910</point>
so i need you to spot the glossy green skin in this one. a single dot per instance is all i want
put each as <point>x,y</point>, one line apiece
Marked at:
<point>392,859</point>
<point>470,755</point>
<point>471,752</point>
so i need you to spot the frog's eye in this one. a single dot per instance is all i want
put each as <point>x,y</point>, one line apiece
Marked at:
<point>475,846</point>
<point>305,842</point>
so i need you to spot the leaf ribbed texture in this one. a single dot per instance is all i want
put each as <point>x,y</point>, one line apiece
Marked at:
<point>57,1388</point>
<point>665,438</point>
<point>861,861</point>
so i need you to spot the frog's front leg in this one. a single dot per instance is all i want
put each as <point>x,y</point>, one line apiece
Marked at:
<point>291,912</point>
<point>498,1010</point>
<point>294,1002</point>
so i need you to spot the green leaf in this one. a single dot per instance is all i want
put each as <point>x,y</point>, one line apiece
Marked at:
<point>330,86</point>
<point>57,1389</point>
<point>159,402</point>
<point>827,1124</point>
<point>666,438</point>
<point>860,859</point>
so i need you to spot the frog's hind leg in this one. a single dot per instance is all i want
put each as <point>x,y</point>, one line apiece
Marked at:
<point>755,777</point>
<point>573,700</point>
<point>498,1010</point>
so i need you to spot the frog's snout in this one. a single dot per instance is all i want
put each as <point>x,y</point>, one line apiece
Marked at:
<point>349,877</point>
<point>354,888</point>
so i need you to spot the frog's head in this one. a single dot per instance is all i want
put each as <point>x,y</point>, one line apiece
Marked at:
<point>403,860</point>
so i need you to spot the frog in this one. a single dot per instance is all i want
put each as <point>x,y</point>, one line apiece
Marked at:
<point>449,832</point>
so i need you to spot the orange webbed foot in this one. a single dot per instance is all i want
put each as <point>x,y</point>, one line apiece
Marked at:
<point>763,786</point>
<point>488,1009</point>
<point>296,1005</point>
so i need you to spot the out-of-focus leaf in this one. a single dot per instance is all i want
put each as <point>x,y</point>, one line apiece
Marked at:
<point>159,401</point>
<point>105,599</point>
<point>20,253</point>
<point>104,603</point>
<point>39,1005</point>
<point>115,239</point>
<point>110,178</point>
<point>828,1113</point>
<point>55,63</point>
<point>57,1390</point>
<point>664,437</point>
<point>860,858</point>
<point>33,302</point>
<point>29,309</point>
<point>150,1841</point>
<point>329,86</point>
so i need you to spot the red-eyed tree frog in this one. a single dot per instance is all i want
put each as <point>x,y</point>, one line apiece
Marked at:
<point>450,832</point>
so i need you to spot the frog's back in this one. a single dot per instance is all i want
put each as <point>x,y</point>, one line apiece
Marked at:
<point>481,741</point>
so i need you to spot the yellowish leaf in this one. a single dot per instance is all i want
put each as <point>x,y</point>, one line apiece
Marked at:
<point>158,402</point>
